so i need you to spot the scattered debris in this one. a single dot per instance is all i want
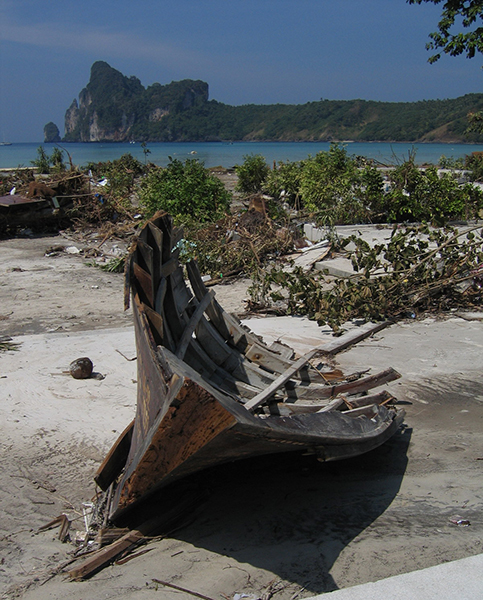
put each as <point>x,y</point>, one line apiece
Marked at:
<point>61,521</point>
<point>239,244</point>
<point>107,555</point>
<point>460,521</point>
<point>420,270</point>
<point>6,344</point>
<point>124,356</point>
<point>181,589</point>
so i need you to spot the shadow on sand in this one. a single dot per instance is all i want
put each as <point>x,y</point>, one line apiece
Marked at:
<point>292,515</point>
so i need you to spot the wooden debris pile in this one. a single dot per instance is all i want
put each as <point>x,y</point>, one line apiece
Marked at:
<point>239,243</point>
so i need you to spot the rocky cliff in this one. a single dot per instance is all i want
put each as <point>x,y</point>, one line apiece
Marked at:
<point>116,108</point>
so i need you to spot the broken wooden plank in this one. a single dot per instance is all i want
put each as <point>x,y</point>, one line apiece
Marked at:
<point>380,398</point>
<point>106,555</point>
<point>366,383</point>
<point>299,408</point>
<point>280,348</point>
<point>64,529</point>
<point>115,460</point>
<point>192,323</point>
<point>353,337</point>
<point>182,589</point>
<point>145,282</point>
<point>261,355</point>
<point>228,326</point>
<point>281,380</point>
<point>333,405</point>
<point>367,411</point>
<point>108,535</point>
<point>61,521</point>
<point>146,253</point>
<point>169,267</point>
<point>127,281</point>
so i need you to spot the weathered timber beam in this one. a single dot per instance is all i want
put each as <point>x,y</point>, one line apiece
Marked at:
<point>333,405</point>
<point>353,337</point>
<point>263,396</point>
<point>105,556</point>
<point>367,383</point>
<point>115,460</point>
<point>192,323</point>
<point>380,398</point>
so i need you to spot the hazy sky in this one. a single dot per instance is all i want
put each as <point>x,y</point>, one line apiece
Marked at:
<point>248,51</point>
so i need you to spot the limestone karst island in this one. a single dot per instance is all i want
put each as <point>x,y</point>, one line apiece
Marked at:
<point>116,108</point>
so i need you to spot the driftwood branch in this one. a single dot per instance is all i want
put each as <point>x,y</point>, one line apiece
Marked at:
<point>181,589</point>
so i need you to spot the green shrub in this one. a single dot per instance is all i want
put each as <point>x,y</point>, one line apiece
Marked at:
<point>474,163</point>
<point>57,160</point>
<point>284,182</point>
<point>121,175</point>
<point>449,162</point>
<point>42,162</point>
<point>46,164</point>
<point>335,190</point>
<point>186,190</point>
<point>425,196</point>
<point>252,174</point>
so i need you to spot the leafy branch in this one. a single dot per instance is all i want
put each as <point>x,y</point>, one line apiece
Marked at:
<point>418,270</point>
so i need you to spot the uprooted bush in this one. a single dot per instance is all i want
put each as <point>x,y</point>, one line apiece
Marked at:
<point>236,244</point>
<point>419,270</point>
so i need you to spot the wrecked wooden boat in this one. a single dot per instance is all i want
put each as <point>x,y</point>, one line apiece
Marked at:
<point>210,391</point>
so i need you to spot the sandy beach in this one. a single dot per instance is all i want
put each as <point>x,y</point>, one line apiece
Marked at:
<point>287,527</point>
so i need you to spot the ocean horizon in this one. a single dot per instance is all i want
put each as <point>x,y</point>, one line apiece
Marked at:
<point>229,154</point>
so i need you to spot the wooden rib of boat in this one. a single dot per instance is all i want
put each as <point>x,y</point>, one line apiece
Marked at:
<point>210,391</point>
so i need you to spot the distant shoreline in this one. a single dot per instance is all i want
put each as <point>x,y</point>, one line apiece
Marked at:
<point>228,154</point>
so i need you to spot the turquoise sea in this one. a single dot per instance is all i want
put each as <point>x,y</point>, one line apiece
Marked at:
<point>213,154</point>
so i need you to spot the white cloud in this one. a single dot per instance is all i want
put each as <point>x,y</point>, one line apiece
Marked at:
<point>96,40</point>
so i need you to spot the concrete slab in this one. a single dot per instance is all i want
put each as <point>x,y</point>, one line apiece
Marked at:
<point>457,580</point>
<point>341,266</point>
<point>298,332</point>
<point>336,267</point>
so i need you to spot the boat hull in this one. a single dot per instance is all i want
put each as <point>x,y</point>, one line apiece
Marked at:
<point>190,413</point>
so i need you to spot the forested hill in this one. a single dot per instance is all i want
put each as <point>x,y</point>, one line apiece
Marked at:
<point>113,107</point>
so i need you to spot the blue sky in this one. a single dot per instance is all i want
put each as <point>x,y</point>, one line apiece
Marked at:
<point>248,51</point>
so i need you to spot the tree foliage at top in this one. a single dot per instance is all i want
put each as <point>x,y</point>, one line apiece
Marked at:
<point>460,28</point>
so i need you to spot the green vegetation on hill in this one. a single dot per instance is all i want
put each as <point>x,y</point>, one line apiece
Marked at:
<point>113,107</point>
